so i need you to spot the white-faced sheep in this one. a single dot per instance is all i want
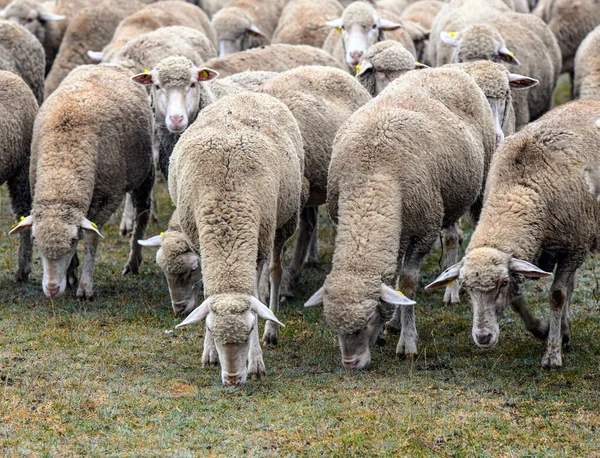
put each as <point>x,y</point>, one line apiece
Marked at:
<point>236,175</point>
<point>16,128</point>
<point>245,24</point>
<point>587,68</point>
<point>359,28</point>
<point>23,54</point>
<point>321,99</point>
<point>303,22</point>
<point>91,145</point>
<point>405,166</point>
<point>538,212</point>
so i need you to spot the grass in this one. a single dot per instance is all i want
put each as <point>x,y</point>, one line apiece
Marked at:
<point>102,378</point>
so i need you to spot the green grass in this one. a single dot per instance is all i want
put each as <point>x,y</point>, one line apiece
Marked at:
<point>102,378</point>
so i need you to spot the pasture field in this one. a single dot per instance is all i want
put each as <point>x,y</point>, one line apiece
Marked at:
<point>103,378</point>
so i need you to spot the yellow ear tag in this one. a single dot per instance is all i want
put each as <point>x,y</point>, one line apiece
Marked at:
<point>204,74</point>
<point>339,30</point>
<point>452,34</point>
<point>161,234</point>
<point>357,70</point>
<point>450,283</point>
<point>22,218</point>
<point>400,292</point>
<point>94,225</point>
<point>511,53</point>
<point>576,164</point>
<point>146,70</point>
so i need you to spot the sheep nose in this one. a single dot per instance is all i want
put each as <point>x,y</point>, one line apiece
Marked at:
<point>356,364</point>
<point>484,339</point>
<point>53,290</point>
<point>356,56</point>
<point>176,119</point>
<point>233,380</point>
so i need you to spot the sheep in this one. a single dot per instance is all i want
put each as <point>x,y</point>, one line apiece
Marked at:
<point>570,21</point>
<point>36,18</point>
<point>302,22</point>
<point>211,7</point>
<point>245,24</point>
<point>514,39</point>
<point>150,18</point>
<point>538,214</point>
<point>237,184</point>
<point>23,54</point>
<point>91,145</point>
<point>359,28</point>
<point>274,58</point>
<point>422,12</point>
<point>91,28</point>
<point>15,140</point>
<point>321,99</point>
<point>430,137</point>
<point>587,67</point>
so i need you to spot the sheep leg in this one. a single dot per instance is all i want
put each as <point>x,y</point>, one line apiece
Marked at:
<point>534,325</point>
<point>313,250</point>
<point>308,220</point>
<point>72,279</point>
<point>210,357</point>
<point>85,289</point>
<point>256,365</point>
<point>451,295</point>
<point>20,199</point>
<point>559,297</point>
<point>126,226</point>
<point>566,321</point>
<point>270,335</point>
<point>141,201</point>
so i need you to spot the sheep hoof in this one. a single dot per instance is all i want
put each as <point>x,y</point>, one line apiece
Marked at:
<point>552,360</point>
<point>540,331</point>
<point>270,336</point>
<point>210,358</point>
<point>85,291</point>
<point>22,276</point>
<point>285,290</point>
<point>256,368</point>
<point>407,347</point>
<point>132,267</point>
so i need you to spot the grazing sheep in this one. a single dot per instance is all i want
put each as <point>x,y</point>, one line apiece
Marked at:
<point>587,68</point>
<point>23,54</point>
<point>236,180</point>
<point>36,18</point>
<point>517,40</point>
<point>15,139</point>
<point>92,28</point>
<point>150,18</point>
<point>384,62</point>
<point>570,21</point>
<point>537,210</point>
<point>273,58</point>
<point>359,28</point>
<point>321,99</point>
<point>405,166</point>
<point>303,22</point>
<point>91,145</point>
<point>245,24</point>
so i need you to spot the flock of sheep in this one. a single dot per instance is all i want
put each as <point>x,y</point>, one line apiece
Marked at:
<point>402,116</point>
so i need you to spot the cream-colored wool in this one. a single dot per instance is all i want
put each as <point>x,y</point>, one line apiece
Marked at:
<point>570,21</point>
<point>241,21</point>
<point>367,17</point>
<point>587,68</point>
<point>236,180</point>
<point>23,54</point>
<point>538,208</point>
<point>321,99</point>
<point>16,128</point>
<point>422,12</point>
<point>404,166</point>
<point>91,29</point>
<point>91,145</point>
<point>211,7</point>
<point>302,22</point>
<point>274,58</point>
<point>155,15</point>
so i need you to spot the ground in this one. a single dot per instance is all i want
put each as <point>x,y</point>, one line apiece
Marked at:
<point>103,378</point>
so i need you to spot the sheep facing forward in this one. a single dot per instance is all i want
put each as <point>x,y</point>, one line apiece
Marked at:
<point>538,211</point>
<point>236,180</point>
<point>91,145</point>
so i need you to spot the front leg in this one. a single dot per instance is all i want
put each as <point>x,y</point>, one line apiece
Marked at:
<point>210,357</point>
<point>85,289</point>
<point>126,226</point>
<point>537,327</point>
<point>451,240</point>
<point>256,365</point>
<point>142,202</point>
<point>270,335</point>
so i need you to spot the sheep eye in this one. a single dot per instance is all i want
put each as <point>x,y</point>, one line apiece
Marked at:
<point>157,87</point>
<point>192,86</point>
<point>343,27</point>
<point>74,241</point>
<point>374,26</point>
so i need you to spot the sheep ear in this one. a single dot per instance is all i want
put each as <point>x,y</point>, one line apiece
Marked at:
<point>263,311</point>
<point>388,26</point>
<point>95,55</point>
<point>391,296</point>
<point>143,79</point>
<point>47,17</point>
<point>520,81</point>
<point>508,56</point>
<point>420,66</point>
<point>363,68</point>
<point>152,241</point>
<point>23,225</point>
<point>256,32</point>
<point>447,277</point>
<point>335,24</point>
<point>316,299</point>
<point>87,225</point>
<point>450,38</point>
<point>198,314</point>
<point>207,74</point>
<point>527,269</point>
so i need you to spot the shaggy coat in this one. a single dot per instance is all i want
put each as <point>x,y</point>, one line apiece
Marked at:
<point>16,128</point>
<point>587,68</point>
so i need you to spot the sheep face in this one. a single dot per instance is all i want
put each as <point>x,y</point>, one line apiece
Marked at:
<point>361,27</point>
<point>491,278</point>
<point>479,42</point>
<point>184,277</point>
<point>178,91</point>
<point>235,31</point>
<point>30,15</point>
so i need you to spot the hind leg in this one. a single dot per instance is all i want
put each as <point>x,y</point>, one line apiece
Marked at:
<point>142,201</point>
<point>308,220</point>
<point>313,249</point>
<point>126,226</point>
<point>85,289</point>
<point>20,199</point>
